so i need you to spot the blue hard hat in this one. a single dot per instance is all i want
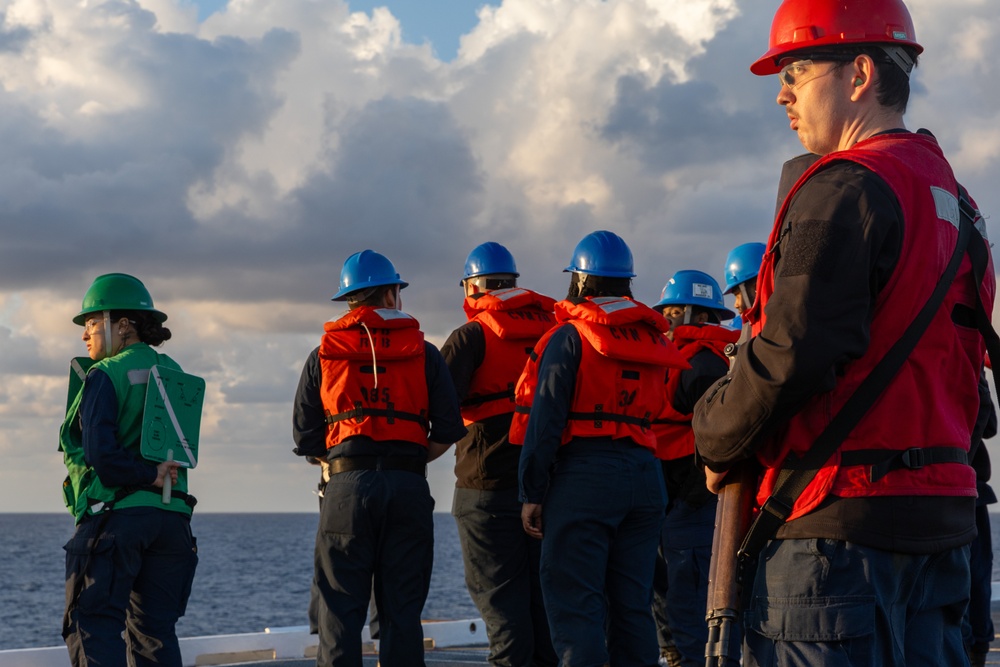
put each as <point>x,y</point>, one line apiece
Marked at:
<point>366,269</point>
<point>694,288</point>
<point>602,254</point>
<point>742,264</point>
<point>488,259</point>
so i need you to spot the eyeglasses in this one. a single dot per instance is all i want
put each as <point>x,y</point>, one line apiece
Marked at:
<point>800,72</point>
<point>93,326</point>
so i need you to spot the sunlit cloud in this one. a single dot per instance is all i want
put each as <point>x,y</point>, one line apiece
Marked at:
<point>234,164</point>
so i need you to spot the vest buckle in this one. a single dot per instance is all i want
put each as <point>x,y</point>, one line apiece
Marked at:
<point>913,458</point>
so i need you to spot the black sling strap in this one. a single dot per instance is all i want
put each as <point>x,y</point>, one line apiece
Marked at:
<point>799,472</point>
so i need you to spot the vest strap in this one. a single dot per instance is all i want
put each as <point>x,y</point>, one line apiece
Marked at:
<point>666,420</point>
<point>883,462</point>
<point>486,398</point>
<point>390,414</point>
<point>599,417</point>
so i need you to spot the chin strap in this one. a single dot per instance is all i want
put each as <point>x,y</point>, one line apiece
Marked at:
<point>899,56</point>
<point>107,334</point>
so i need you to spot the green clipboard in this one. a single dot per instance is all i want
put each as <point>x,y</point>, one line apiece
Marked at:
<point>78,368</point>
<point>172,416</point>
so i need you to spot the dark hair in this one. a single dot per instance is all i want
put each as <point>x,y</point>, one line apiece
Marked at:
<point>713,316</point>
<point>492,282</point>
<point>583,285</point>
<point>893,89</point>
<point>373,296</point>
<point>149,329</point>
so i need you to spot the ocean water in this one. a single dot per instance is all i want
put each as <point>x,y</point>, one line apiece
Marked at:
<point>254,571</point>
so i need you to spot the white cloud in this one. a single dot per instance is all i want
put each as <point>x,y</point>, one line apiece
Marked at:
<point>234,164</point>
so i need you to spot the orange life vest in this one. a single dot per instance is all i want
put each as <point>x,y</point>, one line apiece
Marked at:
<point>619,384</point>
<point>512,321</point>
<point>932,402</point>
<point>374,383</point>
<point>674,436</point>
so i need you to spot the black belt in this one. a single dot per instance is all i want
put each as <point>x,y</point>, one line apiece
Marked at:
<point>125,491</point>
<point>406,463</point>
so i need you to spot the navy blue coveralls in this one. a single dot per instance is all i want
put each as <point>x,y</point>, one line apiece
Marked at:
<point>603,503</point>
<point>686,539</point>
<point>501,560</point>
<point>376,526</point>
<point>139,561</point>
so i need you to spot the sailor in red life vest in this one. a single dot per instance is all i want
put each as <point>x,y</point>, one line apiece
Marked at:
<point>692,302</point>
<point>742,266</point>
<point>872,565</point>
<point>485,357</point>
<point>377,402</point>
<point>589,479</point>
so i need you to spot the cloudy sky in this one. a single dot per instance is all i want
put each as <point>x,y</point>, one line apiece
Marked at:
<point>232,156</point>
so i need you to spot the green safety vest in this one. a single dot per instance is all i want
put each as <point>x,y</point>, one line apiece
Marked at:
<point>83,491</point>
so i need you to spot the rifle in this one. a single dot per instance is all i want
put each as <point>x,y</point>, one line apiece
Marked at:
<point>725,574</point>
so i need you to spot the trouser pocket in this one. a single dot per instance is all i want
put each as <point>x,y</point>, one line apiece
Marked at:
<point>188,578</point>
<point>89,573</point>
<point>811,605</point>
<point>817,631</point>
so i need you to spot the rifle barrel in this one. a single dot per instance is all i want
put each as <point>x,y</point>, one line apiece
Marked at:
<point>732,520</point>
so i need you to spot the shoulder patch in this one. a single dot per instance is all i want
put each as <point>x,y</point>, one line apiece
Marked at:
<point>946,205</point>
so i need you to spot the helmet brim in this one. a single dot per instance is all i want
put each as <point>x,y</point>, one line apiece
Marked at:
<point>81,317</point>
<point>602,274</point>
<point>346,292</point>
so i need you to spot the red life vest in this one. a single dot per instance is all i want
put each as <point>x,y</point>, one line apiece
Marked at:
<point>933,400</point>
<point>512,321</point>
<point>619,384</point>
<point>374,383</point>
<point>674,436</point>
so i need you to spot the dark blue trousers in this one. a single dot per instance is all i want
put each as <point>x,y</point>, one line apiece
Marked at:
<point>835,603</point>
<point>376,527</point>
<point>978,631</point>
<point>501,573</point>
<point>128,578</point>
<point>687,549</point>
<point>601,523</point>
<point>660,583</point>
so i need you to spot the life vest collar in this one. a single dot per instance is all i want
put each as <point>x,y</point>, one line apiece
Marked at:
<point>373,316</point>
<point>511,298</point>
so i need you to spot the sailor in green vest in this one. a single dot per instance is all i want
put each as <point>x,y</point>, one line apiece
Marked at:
<point>130,564</point>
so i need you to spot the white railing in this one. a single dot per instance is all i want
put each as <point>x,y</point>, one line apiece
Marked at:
<point>272,644</point>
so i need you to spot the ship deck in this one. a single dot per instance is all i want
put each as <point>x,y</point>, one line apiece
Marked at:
<point>450,657</point>
<point>450,644</point>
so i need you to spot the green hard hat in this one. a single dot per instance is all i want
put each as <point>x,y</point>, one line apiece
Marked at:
<point>117,291</point>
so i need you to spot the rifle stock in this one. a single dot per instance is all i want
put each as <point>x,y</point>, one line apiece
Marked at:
<point>732,520</point>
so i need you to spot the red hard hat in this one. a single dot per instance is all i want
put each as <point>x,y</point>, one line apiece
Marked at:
<point>805,24</point>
